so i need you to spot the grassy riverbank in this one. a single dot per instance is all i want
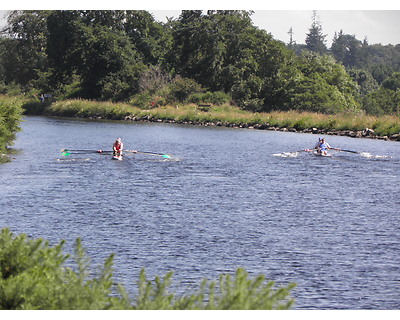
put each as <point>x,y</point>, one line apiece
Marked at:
<point>351,124</point>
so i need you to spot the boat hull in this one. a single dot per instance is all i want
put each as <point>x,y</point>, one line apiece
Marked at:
<point>322,155</point>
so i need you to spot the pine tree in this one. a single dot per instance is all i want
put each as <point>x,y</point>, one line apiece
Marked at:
<point>291,42</point>
<point>315,40</point>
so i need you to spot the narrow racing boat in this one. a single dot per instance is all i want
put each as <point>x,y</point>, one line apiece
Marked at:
<point>117,157</point>
<point>329,155</point>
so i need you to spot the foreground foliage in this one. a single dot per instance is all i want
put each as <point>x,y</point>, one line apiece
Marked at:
<point>35,276</point>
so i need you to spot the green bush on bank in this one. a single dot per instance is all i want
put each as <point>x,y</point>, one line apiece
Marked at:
<point>10,117</point>
<point>34,276</point>
<point>216,98</point>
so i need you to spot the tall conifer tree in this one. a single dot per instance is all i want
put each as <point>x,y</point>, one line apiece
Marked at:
<point>315,40</point>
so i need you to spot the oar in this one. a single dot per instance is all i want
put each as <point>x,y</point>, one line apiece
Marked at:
<point>349,151</point>
<point>150,153</point>
<point>67,152</point>
<point>83,150</point>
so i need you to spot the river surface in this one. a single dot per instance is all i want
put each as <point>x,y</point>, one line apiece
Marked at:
<point>224,200</point>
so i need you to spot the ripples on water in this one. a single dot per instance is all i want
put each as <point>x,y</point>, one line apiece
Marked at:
<point>329,224</point>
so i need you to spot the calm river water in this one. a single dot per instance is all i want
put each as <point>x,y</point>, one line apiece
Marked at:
<point>331,225</point>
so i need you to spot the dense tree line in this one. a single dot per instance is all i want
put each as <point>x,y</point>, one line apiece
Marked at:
<point>368,65</point>
<point>128,56</point>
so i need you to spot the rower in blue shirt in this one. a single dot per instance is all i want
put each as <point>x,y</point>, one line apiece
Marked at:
<point>322,147</point>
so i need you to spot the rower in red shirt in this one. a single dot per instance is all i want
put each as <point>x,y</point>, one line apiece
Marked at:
<point>118,147</point>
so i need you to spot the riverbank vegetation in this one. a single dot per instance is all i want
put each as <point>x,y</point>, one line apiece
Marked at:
<point>36,276</point>
<point>346,123</point>
<point>10,116</point>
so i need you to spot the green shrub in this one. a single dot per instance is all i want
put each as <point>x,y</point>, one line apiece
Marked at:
<point>216,98</point>
<point>382,102</point>
<point>302,123</point>
<point>182,88</point>
<point>141,100</point>
<point>33,276</point>
<point>72,90</point>
<point>34,107</point>
<point>384,128</point>
<point>238,293</point>
<point>197,98</point>
<point>10,117</point>
<point>12,89</point>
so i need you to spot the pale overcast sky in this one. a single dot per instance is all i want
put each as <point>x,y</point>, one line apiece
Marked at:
<point>379,22</point>
<point>378,26</point>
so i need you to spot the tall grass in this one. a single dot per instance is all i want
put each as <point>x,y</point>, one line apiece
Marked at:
<point>90,109</point>
<point>229,115</point>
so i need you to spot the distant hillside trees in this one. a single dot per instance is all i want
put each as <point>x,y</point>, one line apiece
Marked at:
<point>380,61</point>
<point>375,68</point>
<point>346,48</point>
<point>368,65</point>
<point>385,100</point>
